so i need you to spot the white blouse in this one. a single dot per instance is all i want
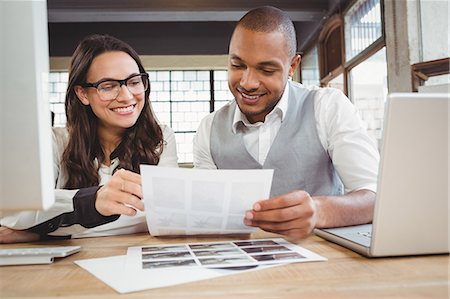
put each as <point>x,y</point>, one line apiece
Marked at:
<point>64,198</point>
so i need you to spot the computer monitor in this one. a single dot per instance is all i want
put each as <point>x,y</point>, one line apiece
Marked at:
<point>26,163</point>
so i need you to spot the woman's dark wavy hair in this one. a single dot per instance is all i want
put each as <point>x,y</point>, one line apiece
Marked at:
<point>141,144</point>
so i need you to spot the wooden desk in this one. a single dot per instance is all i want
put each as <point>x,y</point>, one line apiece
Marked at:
<point>345,275</point>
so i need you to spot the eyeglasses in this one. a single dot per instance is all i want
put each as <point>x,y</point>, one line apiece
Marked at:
<point>109,89</point>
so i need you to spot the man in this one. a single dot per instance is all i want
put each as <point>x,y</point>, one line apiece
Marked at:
<point>313,139</point>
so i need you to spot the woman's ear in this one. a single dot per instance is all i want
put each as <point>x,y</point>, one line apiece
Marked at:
<point>81,94</point>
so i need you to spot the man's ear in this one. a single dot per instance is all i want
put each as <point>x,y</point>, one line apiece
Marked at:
<point>81,94</point>
<point>294,64</point>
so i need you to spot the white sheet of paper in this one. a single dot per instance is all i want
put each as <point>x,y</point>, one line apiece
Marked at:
<point>180,201</point>
<point>110,270</point>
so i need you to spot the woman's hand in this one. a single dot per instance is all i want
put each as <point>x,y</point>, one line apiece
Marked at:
<point>8,235</point>
<point>121,195</point>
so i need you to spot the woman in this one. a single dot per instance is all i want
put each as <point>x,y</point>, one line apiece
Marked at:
<point>111,130</point>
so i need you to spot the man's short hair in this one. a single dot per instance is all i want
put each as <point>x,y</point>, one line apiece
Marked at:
<point>270,19</point>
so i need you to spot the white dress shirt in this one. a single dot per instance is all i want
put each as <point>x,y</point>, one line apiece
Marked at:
<point>341,131</point>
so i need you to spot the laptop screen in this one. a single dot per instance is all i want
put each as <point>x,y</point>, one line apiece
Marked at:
<point>412,195</point>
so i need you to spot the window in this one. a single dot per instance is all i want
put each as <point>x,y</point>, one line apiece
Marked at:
<point>330,49</point>
<point>310,68</point>
<point>222,93</point>
<point>180,99</point>
<point>434,29</point>
<point>57,94</point>
<point>368,86</point>
<point>362,26</point>
<point>337,82</point>
<point>431,73</point>
<point>352,58</point>
<point>366,64</point>
<point>333,47</point>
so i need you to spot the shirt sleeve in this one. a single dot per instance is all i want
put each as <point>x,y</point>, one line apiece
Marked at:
<point>344,136</point>
<point>71,207</point>
<point>168,156</point>
<point>201,143</point>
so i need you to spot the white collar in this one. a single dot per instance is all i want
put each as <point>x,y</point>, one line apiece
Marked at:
<point>280,109</point>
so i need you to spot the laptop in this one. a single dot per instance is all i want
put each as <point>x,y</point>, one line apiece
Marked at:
<point>412,204</point>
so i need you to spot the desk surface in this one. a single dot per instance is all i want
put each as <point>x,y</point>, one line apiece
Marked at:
<point>345,274</point>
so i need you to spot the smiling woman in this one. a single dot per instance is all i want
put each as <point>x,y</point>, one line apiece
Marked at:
<point>116,104</point>
<point>110,127</point>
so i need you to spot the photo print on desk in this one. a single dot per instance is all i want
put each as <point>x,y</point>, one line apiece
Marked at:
<point>226,254</point>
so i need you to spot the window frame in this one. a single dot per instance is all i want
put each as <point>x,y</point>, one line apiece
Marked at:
<point>327,75</point>
<point>346,66</point>
<point>420,72</point>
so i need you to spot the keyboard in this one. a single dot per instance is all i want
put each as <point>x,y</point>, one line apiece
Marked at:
<point>34,255</point>
<point>367,234</point>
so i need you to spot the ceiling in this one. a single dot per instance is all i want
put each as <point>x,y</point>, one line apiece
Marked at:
<point>172,11</point>
<point>172,27</point>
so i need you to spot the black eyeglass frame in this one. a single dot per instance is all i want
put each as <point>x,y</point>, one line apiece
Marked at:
<point>121,82</point>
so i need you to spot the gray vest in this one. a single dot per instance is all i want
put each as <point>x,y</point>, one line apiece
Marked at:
<point>296,155</point>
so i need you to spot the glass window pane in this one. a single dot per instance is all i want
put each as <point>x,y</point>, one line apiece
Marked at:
<point>162,112</point>
<point>337,82</point>
<point>160,96</point>
<point>190,75</point>
<point>157,86</point>
<point>435,29</point>
<point>152,76</point>
<point>163,76</point>
<point>362,26</point>
<point>310,68</point>
<point>220,104</point>
<point>220,75</point>
<point>368,88</point>
<point>57,93</point>
<point>184,147</point>
<point>221,90</point>
<point>203,75</point>
<point>177,76</point>
<point>438,80</point>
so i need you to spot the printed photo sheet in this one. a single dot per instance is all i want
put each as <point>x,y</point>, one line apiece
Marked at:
<point>132,272</point>
<point>226,254</point>
<point>181,201</point>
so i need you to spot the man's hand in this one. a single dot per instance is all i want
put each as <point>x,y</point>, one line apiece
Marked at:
<point>293,215</point>
<point>8,235</point>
